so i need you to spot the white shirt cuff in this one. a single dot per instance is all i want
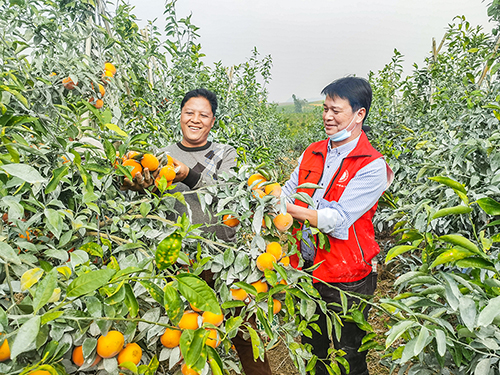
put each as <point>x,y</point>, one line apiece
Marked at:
<point>328,222</point>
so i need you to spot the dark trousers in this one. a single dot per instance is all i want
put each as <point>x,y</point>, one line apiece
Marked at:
<point>351,336</point>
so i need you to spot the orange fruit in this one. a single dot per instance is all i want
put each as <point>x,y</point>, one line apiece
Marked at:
<point>274,248</point>
<point>108,67</point>
<point>215,319</point>
<point>40,372</point>
<point>213,339</point>
<point>68,83</point>
<point>194,308</point>
<point>132,155</point>
<point>65,159</point>
<point>273,189</point>
<point>285,261</point>
<point>239,294</point>
<point>150,162</point>
<point>4,351</point>
<point>276,306</point>
<point>171,337</point>
<point>230,221</point>
<point>283,281</point>
<point>110,345</point>
<point>27,235</point>
<point>78,359</point>
<point>254,178</point>
<point>170,160</point>
<point>189,320</point>
<point>283,222</point>
<point>105,78</point>
<point>261,286</point>
<point>137,166</point>
<point>101,88</point>
<point>130,353</point>
<point>258,193</point>
<point>186,370</point>
<point>99,103</point>
<point>168,172</point>
<point>265,261</point>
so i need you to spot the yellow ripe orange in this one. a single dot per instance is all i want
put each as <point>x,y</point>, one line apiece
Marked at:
<point>258,193</point>
<point>276,306</point>
<point>105,78</point>
<point>213,339</point>
<point>110,345</point>
<point>99,103</point>
<point>68,83</point>
<point>274,248</point>
<point>40,372</point>
<point>108,67</point>
<point>78,359</point>
<point>273,189</point>
<point>285,261</point>
<point>130,353</point>
<point>65,159</point>
<point>150,162</point>
<point>137,166</point>
<point>283,222</point>
<point>170,160</point>
<point>261,286</point>
<point>101,88</point>
<point>265,261</point>
<point>186,370</point>
<point>189,320</point>
<point>171,338</point>
<point>215,319</point>
<point>168,172</point>
<point>254,178</point>
<point>53,74</point>
<point>132,155</point>
<point>4,351</point>
<point>283,282</point>
<point>239,294</point>
<point>230,221</point>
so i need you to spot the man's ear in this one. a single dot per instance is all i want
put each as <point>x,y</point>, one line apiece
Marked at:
<point>213,122</point>
<point>362,113</point>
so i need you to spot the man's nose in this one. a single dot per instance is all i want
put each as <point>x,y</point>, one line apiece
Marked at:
<point>196,117</point>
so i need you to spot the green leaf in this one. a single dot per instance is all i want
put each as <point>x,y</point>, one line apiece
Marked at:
<point>303,197</point>
<point>198,293</point>
<point>44,290</point>
<point>476,263</point>
<point>397,330</point>
<point>57,174</point>
<point>8,254</point>
<point>54,221</point>
<point>490,312</point>
<point>441,342</point>
<point>457,210</point>
<point>257,347</point>
<point>89,282</point>
<point>25,336</point>
<point>483,367</point>
<point>153,290</point>
<point>308,185</point>
<point>490,206</point>
<point>232,325</point>
<point>451,255</point>
<point>467,309</point>
<point>449,182</point>
<point>92,249</point>
<point>214,360</point>
<point>130,301</point>
<point>192,344</point>
<point>24,172</point>
<point>456,239</point>
<point>398,250</point>
<point>173,304</point>
<point>116,129</point>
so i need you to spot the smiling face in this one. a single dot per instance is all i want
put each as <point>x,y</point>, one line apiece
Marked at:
<point>338,115</point>
<point>196,121</point>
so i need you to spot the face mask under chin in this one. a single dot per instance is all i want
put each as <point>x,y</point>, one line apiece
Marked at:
<point>344,133</point>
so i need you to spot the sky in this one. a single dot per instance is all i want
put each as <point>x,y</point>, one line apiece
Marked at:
<point>313,42</point>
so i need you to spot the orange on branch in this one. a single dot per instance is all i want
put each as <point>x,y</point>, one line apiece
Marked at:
<point>186,370</point>
<point>40,372</point>
<point>261,286</point>
<point>213,339</point>
<point>110,345</point>
<point>130,353</point>
<point>258,193</point>
<point>189,320</point>
<point>68,83</point>
<point>150,162</point>
<point>168,172</point>
<point>265,261</point>
<point>99,103</point>
<point>108,67</point>
<point>78,359</point>
<point>194,308</point>
<point>276,306</point>
<point>285,261</point>
<point>215,319</point>
<point>106,76</point>
<point>274,248</point>
<point>283,222</point>
<point>137,166</point>
<point>4,351</point>
<point>171,338</point>
<point>239,294</point>
<point>230,221</point>
<point>273,189</point>
<point>254,178</point>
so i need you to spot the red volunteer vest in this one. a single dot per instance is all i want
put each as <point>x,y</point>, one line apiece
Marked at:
<point>347,260</point>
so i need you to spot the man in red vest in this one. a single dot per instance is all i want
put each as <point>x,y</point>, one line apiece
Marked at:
<point>352,176</point>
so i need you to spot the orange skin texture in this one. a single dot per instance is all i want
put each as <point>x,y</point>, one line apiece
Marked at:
<point>230,221</point>
<point>78,359</point>
<point>256,177</point>
<point>276,306</point>
<point>274,248</point>
<point>131,353</point>
<point>68,83</point>
<point>285,261</point>
<point>168,172</point>
<point>4,351</point>
<point>215,319</point>
<point>40,372</point>
<point>110,345</point>
<point>283,222</point>
<point>265,262</point>
<point>261,286</point>
<point>186,370</point>
<point>137,166</point>
<point>213,339</point>
<point>150,162</point>
<point>239,294</point>
<point>108,67</point>
<point>189,320</point>
<point>171,338</point>
<point>273,189</point>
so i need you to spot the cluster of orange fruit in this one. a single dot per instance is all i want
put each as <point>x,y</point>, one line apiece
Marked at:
<point>191,320</point>
<point>140,161</point>
<point>109,346</point>
<point>261,287</point>
<point>109,72</point>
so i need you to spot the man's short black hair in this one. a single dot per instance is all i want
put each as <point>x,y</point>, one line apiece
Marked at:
<point>354,89</point>
<point>203,93</point>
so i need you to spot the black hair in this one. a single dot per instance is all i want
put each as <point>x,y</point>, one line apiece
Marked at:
<point>354,89</point>
<point>203,93</point>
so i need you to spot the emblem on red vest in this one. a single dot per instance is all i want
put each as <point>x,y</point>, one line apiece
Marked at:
<point>344,177</point>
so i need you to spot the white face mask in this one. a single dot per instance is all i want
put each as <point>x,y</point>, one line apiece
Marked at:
<point>344,133</point>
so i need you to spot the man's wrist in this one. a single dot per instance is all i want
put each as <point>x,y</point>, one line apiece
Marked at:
<point>192,178</point>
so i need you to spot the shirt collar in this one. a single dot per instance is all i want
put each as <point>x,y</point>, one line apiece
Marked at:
<point>345,148</point>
